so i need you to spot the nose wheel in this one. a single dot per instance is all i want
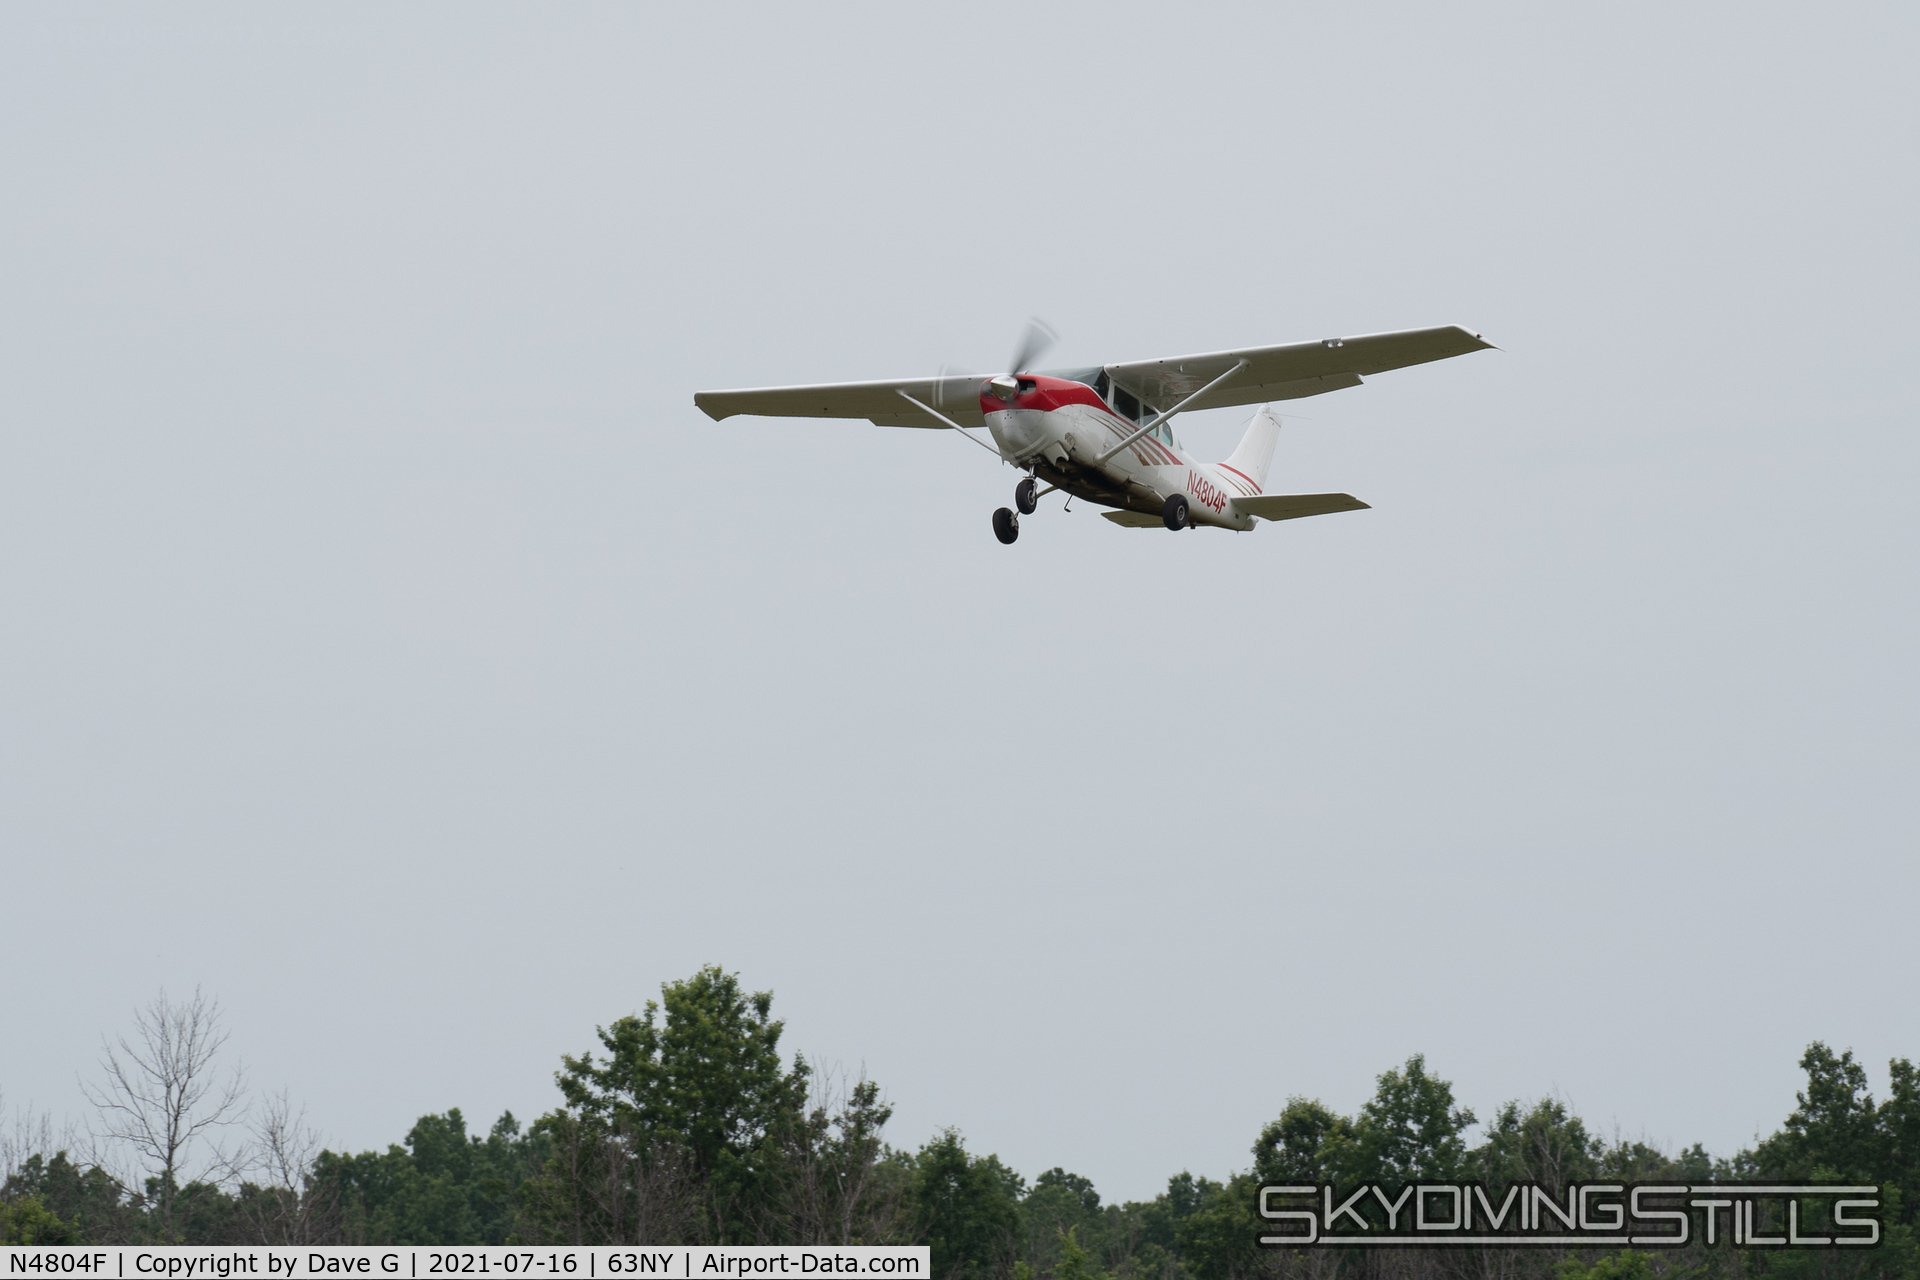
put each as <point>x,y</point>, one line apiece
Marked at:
<point>1006,525</point>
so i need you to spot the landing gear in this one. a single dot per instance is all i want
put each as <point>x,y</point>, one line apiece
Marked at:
<point>1006,525</point>
<point>1025,496</point>
<point>1175,512</point>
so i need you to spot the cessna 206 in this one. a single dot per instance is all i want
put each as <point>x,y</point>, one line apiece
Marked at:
<point>1101,433</point>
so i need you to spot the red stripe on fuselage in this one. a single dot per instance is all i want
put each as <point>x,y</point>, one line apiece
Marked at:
<point>1047,393</point>
<point>1058,393</point>
<point>1243,475</point>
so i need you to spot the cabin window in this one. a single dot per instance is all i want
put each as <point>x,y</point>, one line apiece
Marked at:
<point>1125,404</point>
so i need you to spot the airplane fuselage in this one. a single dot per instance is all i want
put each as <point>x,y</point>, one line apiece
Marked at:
<point>1062,430</point>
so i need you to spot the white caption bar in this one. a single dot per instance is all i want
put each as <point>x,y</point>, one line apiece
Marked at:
<point>431,1262</point>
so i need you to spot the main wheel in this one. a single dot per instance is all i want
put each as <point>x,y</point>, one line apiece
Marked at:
<point>1026,496</point>
<point>1006,525</point>
<point>1175,512</point>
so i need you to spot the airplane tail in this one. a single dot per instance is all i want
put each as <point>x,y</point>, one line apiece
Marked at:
<point>1255,453</point>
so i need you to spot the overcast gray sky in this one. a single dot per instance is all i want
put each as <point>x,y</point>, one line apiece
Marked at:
<point>390,647</point>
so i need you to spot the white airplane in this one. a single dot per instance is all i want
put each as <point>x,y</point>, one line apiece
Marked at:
<point>1101,433</point>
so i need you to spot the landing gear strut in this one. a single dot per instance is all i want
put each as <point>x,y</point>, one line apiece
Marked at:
<point>1175,512</point>
<point>1025,496</point>
<point>1006,525</point>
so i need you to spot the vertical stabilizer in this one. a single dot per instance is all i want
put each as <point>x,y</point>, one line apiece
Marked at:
<point>1255,453</point>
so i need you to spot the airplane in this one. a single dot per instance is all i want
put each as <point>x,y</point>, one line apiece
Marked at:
<point>1101,434</point>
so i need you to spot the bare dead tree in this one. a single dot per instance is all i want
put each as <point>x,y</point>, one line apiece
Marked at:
<point>278,1199</point>
<point>830,1184</point>
<point>30,1132</point>
<point>161,1098</point>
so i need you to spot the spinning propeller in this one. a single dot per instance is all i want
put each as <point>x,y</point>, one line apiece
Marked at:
<point>1035,341</point>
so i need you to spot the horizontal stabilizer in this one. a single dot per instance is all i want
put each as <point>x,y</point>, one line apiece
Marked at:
<point>1291,506</point>
<point>1135,519</point>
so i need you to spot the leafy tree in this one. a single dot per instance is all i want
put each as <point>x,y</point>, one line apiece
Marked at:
<point>708,1074</point>
<point>705,1079</point>
<point>445,1187</point>
<point>1834,1134</point>
<point>1074,1262</point>
<point>1290,1149</point>
<point>1216,1235</point>
<point>1544,1143</point>
<point>1408,1131</point>
<point>966,1208</point>
<point>1059,1206</point>
<point>1625,1265</point>
<point>1900,1131</point>
<point>90,1198</point>
<point>29,1221</point>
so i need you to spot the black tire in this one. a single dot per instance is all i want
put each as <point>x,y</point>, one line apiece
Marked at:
<point>1006,525</point>
<point>1175,512</point>
<point>1026,496</point>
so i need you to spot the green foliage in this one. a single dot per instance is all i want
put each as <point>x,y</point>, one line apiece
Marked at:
<point>1074,1263</point>
<point>444,1187</point>
<point>1625,1265</point>
<point>1545,1143</point>
<point>695,1100</point>
<point>29,1221</point>
<point>1409,1131</point>
<point>1835,1133</point>
<point>708,1075</point>
<point>1290,1149</point>
<point>1060,1207</point>
<point>1900,1132</point>
<point>685,1127</point>
<point>966,1208</point>
<point>89,1198</point>
<point>1216,1236</point>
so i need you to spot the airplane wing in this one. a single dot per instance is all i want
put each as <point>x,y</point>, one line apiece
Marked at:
<point>1272,373</point>
<point>958,397</point>
<point>1289,372</point>
<point>1291,506</point>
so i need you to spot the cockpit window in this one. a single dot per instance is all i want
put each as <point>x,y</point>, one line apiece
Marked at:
<point>1124,402</point>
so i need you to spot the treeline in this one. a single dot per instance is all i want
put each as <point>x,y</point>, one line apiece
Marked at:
<point>686,1125</point>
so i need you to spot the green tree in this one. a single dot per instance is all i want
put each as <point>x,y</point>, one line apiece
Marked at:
<point>1217,1233</point>
<point>1058,1207</point>
<point>29,1221</point>
<point>1834,1134</point>
<point>966,1208</point>
<point>1900,1132</point>
<point>88,1197</point>
<point>1625,1265</point>
<point>445,1187</point>
<point>1409,1131</point>
<point>704,1077</point>
<point>1544,1143</point>
<point>1290,1150</point>
<point>1074,1263</point>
